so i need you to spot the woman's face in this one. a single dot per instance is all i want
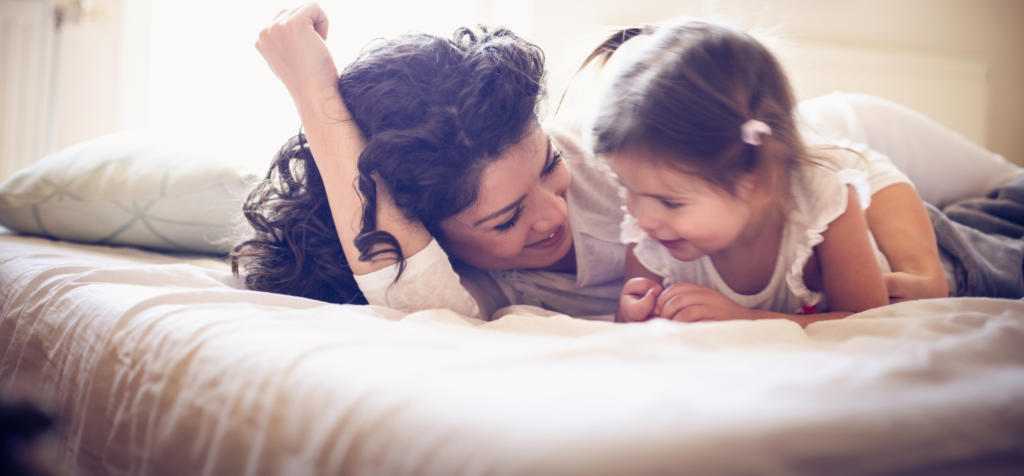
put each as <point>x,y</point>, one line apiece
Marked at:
<point>520,218</point>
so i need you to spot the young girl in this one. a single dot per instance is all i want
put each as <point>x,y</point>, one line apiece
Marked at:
<point>731,215</point>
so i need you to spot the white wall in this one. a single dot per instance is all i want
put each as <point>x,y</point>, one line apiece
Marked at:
<point>26,62</point>
<point>968,42</point>
<point>963,36</point>
<point>189,70</point>
<point>89,76</point>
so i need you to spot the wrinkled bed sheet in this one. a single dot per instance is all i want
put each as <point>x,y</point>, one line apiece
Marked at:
<point>162,365</point>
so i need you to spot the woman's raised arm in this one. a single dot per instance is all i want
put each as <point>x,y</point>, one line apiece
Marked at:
<point>293,46</point>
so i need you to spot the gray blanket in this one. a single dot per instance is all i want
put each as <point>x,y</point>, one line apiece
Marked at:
<point>1000,212</point>
<point>980,243</point>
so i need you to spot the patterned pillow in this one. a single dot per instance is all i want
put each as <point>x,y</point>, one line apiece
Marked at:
<point>128,189</point>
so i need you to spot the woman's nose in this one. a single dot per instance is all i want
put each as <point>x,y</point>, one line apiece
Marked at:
<point>553,211</point>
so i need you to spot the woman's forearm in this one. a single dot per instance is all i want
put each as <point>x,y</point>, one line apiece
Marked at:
<point>336,143</point>
<point>293,46</point>
<point>899,222</point>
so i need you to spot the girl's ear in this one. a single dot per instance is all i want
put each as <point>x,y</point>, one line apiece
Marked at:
<point>748,187</point>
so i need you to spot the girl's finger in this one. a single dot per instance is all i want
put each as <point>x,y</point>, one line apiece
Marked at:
<point>649,299</point>
<point>678,302</point>
<point>691,313</point>
<point>673,291</point>
<point>637,286</point>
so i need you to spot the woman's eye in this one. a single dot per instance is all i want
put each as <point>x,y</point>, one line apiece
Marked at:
<point>511,221</point>
<point>556,158</point>
<point>673,205</point>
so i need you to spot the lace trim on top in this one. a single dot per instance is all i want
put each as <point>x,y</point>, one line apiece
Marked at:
<point>819,198</point>
<point>808,196</point>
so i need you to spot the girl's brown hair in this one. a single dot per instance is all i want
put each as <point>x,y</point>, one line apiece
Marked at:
<point>684,97</point>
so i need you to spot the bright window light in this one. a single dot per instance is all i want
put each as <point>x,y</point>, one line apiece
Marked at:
<point>207,84</point>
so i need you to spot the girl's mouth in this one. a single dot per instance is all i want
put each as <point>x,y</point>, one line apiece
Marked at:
<point>672,244</point>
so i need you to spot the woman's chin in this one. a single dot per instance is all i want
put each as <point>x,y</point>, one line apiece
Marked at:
<point>555,258</point>
<point>564,261</point>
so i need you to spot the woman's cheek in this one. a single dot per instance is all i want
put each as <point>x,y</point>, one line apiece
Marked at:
<point>564,178</point>
<point>513,243</point>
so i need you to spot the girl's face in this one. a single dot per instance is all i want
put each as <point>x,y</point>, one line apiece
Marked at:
<point>686,214</point>
<point>520,218</point>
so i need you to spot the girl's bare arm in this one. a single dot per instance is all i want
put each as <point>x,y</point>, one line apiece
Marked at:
<point>851,277</point>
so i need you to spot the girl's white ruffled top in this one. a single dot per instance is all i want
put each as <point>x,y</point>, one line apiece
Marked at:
<point>819,197</point>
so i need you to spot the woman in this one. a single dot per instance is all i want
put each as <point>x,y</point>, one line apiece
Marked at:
<point>445,143</point>
<point>516,226</point>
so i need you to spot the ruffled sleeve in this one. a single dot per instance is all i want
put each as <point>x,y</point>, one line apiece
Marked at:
<point>880,170</point>
<point>819,196</point>
<point>428,282</point>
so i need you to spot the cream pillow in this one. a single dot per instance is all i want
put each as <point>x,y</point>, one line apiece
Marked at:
<point>128,189</point>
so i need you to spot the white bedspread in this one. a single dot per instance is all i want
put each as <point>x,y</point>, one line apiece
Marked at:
<point>161,365</point>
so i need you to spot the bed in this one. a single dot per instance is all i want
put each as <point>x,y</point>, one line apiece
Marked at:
<point>156,360</point>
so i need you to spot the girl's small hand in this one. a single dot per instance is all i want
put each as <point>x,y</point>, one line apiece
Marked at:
<point>688,302</point>
<point>636,303</point>
<point>293,45</point>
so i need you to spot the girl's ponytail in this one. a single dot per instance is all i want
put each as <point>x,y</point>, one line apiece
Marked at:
<point>609,46</point>
<point>605,50</point>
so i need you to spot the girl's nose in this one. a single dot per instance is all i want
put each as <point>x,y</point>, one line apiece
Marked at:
<point>645,217</point>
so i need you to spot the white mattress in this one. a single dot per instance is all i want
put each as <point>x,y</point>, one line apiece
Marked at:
<point>162,365</point>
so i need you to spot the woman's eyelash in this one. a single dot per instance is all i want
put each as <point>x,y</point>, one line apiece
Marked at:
<point>556,158</point>
<point>511,221</point>
<point>671,204</point>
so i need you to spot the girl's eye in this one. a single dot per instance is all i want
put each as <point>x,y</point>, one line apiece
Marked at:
<point>556,158</point>
<point>511,221</point>
<point>672,205</point>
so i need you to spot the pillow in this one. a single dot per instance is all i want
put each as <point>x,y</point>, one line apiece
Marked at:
<point>128,189</point>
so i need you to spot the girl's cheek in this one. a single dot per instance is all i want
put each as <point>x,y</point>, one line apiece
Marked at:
<point>636,208</point>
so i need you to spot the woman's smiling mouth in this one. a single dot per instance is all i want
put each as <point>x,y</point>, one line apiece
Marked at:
<point>551,240</point>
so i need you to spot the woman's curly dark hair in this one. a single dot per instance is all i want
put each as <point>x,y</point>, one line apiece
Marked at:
<point>434,113</point>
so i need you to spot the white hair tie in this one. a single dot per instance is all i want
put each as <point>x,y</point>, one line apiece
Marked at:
<point>751,131</point>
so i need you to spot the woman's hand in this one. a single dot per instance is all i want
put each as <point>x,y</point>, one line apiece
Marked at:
<point>687,302</point>
<point>636,303</point>
<point>903,286</point>
<point>293,45</point>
